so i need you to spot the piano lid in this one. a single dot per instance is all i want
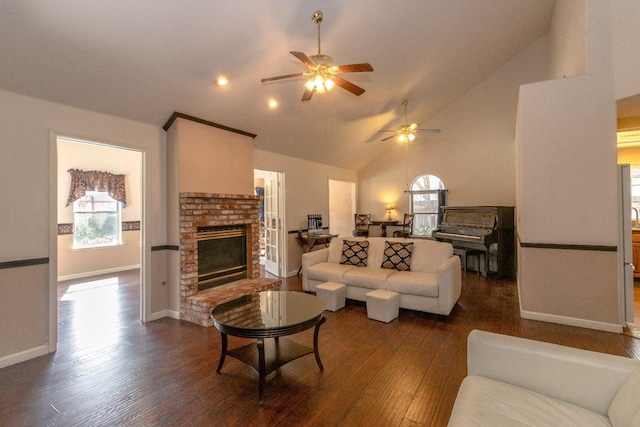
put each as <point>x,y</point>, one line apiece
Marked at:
<point>469,217</point>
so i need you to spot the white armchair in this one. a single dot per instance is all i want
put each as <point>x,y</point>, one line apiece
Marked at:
<point>516,381</point>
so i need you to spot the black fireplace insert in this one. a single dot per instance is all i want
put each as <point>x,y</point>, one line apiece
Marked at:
<point>222,255</point>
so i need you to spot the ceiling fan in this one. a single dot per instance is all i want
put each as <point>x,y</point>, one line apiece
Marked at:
<point>323,75</point>
<point>407,131</point>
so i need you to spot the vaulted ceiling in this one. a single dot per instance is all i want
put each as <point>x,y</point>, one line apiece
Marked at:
<point>144,59</point>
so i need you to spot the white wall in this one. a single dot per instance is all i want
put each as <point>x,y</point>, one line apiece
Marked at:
<point>342,206</point>
<point>25,177</point>
<point>473,155</point>
<point>306,192</point>
<point>568,50</point>
<point>625,50</point>
<point>567,187</point>
<point>74,263</point>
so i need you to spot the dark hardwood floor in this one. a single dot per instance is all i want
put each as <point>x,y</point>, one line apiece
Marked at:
<point>110,369</point>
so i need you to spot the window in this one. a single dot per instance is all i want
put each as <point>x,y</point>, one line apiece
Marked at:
<point>96,221</point>
<point>427,196</point>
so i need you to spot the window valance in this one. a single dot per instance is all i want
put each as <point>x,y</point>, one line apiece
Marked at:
<point>83,181</point>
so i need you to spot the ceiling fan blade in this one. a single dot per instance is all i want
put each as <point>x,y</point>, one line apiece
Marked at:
<point>388,130</point>
<point>306,96</point>
<point>355,68</point>
<point>429,130</point>
<point>356,90</point>
<point>304,58</point>
<point>389,137</point>
<point>286,76</point>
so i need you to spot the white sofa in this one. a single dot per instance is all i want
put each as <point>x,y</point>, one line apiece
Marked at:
<point>520,382</point>
<point>432,285</point>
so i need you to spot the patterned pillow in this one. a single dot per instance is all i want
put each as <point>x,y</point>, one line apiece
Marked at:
<point>355,253</point>
<point>397,256</point>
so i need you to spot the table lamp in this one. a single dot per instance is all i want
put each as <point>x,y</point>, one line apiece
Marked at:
<point>389,209</point>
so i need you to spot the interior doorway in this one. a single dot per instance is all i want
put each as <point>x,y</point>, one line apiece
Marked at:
<point>342,207</point>
<point>69,263</point>
<point>270,186</point>
<point>628,152</point>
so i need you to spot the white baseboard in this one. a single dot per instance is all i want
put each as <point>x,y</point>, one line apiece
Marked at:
<point>164,313</point>
<point>12,359</point>
<point>173,314</point>
<point>572,321</point>
<point>97,273</point>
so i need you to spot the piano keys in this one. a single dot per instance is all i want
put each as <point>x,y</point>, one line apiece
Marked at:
<point>490,229</point>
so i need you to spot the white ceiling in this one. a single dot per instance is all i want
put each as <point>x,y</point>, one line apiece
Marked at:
<point>145,59</point>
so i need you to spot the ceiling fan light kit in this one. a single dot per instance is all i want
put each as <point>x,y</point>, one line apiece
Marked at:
<point>322,74</point>
<point>407,132</point>
<point>406,136</point>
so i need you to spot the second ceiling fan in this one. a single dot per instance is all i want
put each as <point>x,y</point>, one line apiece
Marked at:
<point>323,75</point>
<point>407,131</point>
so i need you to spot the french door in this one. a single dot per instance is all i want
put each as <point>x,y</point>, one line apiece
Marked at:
<point>273,222</point>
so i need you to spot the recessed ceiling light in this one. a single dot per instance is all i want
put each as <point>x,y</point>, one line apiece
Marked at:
<point>272,103</point>
<point>222,80</point>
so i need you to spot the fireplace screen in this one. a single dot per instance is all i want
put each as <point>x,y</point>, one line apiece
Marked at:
<point>222,255</point>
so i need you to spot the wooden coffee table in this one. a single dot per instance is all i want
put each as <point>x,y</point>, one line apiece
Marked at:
<point>269,316</point>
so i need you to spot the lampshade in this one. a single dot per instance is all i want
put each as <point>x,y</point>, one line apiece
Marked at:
<point>389,209</point>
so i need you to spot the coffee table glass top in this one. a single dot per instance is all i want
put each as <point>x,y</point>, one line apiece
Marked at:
<point>268,313</point>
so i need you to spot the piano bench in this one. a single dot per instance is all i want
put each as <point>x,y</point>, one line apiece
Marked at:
<point>464,253</point>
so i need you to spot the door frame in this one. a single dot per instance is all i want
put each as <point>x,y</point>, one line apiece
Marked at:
<point>338,220</point>
<point>280,218</point>
<point>625,250</point>
<point>145,250</point>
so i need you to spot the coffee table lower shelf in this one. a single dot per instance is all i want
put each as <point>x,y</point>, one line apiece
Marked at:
<point>277,352</point>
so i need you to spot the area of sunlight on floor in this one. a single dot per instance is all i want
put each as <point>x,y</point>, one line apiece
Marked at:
<point>95,308</point>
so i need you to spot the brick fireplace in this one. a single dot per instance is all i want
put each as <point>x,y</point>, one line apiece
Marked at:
<point>199,210</point>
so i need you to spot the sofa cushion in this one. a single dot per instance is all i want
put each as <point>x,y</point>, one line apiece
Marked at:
<point>487,402</point>
<point>625,406</point>
<point>354,253</point>
<point>413,283</point>
<point>397,256</point>
<point>328,271</point>
<point>370,278</point>
<point>428,255</point>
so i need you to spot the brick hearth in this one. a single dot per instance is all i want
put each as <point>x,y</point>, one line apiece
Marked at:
<point>198,307</point>
<point>207,210</point>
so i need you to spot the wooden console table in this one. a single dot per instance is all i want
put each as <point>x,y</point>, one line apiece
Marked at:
<point>384,224</point>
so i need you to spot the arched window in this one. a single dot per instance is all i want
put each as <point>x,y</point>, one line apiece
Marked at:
<point>427,196</point>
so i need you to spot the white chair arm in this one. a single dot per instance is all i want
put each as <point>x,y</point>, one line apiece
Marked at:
<point>582,377</point>
<point>449,284</point>
<point>309,259</point>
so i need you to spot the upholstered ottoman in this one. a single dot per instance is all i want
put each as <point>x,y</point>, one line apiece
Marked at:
<point>333,294</point>
<point>383,305</point>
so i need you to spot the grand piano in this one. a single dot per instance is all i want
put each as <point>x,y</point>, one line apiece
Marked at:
<point>489,229</point>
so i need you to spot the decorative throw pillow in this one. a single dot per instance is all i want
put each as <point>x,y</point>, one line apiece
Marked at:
<point>355,253</point>
<point>397,256</point>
